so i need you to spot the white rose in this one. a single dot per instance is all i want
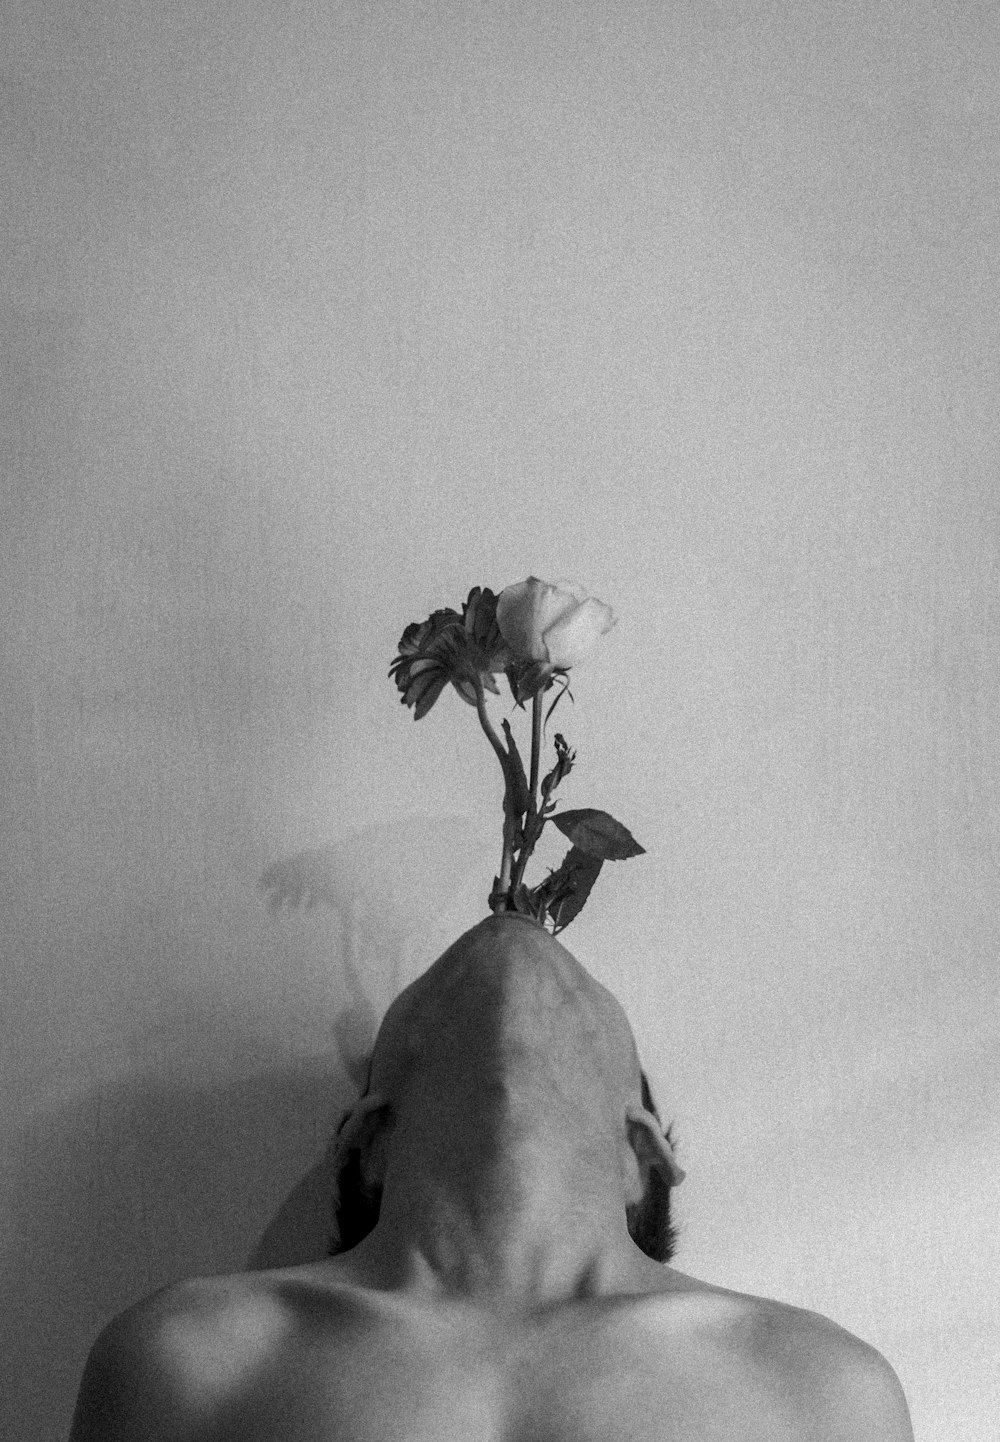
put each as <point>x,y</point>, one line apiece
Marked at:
<point>556,626</point>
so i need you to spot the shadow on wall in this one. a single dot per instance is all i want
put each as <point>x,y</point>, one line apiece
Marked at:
<point>129,1186</point>
<point>123,1186</point>
<point>397,888</point>
<point>392,886</point>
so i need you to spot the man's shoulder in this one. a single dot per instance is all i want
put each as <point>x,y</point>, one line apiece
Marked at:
<point>810,1360</point>
<point>162,1322</point>
<point>850,1377</point>
<point>160,1366</point>
<point>163,1369</point>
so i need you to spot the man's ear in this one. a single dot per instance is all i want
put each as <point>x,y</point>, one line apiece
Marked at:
<point>651,1145</point>
<point>649,1215</point>
<point>357,1159</point>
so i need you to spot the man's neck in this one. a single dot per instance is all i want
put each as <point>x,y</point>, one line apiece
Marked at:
<point>512,1216</point>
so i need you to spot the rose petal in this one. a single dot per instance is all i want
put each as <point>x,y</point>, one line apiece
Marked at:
<point>516,617</point>
<point>556,625</point>
<point>576,634</point>
<point>525,611</point>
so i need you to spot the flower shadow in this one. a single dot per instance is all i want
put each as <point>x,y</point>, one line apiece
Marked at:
<point>402,891</point>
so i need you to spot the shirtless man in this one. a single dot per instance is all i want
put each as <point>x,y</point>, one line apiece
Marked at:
<point>495,1180</point>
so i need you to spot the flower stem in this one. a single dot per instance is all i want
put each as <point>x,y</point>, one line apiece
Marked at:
<point>500,894</point>
<point>491,735</point>
<point>536,746</point>
<point>532,825</point>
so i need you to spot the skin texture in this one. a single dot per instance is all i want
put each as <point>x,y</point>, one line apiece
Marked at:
<point>500,1294</point>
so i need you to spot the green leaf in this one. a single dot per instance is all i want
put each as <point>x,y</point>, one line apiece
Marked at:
<point>598,834</point>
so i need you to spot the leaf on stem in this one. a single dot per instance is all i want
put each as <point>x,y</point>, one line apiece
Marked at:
<point>563,892</point>
<point>564,765</point>
<point>521,797</point>
<point>563,691</point>
<point>598,834</point>
<point>526,678</point>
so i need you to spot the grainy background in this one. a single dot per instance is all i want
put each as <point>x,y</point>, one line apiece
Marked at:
<point>317,314</point>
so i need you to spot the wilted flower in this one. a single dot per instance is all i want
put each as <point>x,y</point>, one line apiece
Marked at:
<point>486,649</point>
<point>553,626</point>
<point>423,667</point>
<point>464,649</point>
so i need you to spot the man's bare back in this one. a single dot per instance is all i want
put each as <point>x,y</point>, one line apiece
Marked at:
<point>503,1276</point>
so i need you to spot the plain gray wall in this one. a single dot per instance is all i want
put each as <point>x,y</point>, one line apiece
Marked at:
<point>317,315</point>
